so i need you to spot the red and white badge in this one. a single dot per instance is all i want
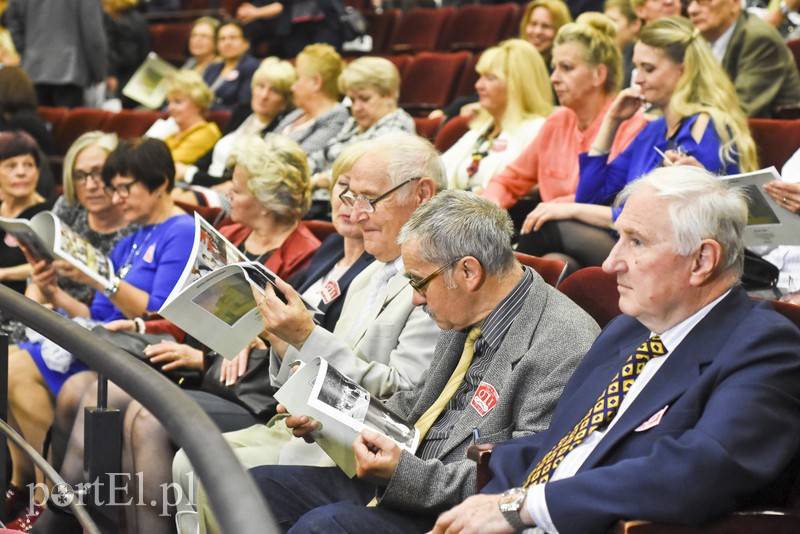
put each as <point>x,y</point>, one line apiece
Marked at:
<point>150,254</point>
<point>653,421</point>
<point>499,145</point>
<point>485,398</point>
<point>330,291</point>
<point>232,75</point>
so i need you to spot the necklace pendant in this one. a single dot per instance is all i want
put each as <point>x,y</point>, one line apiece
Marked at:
<point>123,271</point>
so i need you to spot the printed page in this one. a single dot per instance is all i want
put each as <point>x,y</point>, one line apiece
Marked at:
<point>768,223</point>
<point>343,409</point>
<point>146,86</point>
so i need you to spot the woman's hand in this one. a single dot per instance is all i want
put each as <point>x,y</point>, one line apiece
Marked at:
<point>547,211</point>
<point>46,279</point>
<point>787,194</point>
<point>73,273</point>
<point>627,103</point>
<point>232,370</point>
<point>170,355</point>
<point>121,325</point>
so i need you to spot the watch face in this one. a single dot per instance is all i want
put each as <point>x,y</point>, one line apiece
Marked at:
<point>511,500</point>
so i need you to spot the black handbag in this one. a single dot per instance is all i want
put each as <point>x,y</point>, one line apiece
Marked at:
<point>758,273</point>
<point>134,344</point>
<point>253,390</point>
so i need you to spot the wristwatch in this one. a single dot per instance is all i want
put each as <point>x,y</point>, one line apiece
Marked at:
<point>112,289</point>
<point>510,502</point>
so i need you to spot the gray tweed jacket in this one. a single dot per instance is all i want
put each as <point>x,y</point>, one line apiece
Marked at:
<point>536,358</point>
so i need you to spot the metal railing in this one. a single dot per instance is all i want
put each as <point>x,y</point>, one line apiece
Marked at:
<point>236,501</point>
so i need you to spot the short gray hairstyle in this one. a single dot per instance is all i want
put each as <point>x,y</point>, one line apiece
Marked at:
<point>454,224</point>
<point>700,206</point>
<point>408,156</point>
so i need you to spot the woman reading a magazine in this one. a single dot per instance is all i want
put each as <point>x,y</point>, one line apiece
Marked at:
<point>19,174</point>
<point>138,178</point>
<point>269,198</point>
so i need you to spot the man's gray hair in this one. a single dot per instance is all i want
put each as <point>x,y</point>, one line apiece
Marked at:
<point>454,224</point>
<point>700,206</point>
<point>408,156</point>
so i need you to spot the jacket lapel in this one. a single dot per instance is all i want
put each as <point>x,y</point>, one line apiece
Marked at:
<point>680,372</point>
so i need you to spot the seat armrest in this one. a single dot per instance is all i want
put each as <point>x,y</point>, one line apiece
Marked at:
<point>481,454</point>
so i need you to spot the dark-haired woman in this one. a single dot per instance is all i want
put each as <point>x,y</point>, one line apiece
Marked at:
<point>19,174</point>
<point>138,176</point>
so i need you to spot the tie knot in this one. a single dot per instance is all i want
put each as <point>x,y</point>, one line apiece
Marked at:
<point>652,348</point>
<point>474,334</point>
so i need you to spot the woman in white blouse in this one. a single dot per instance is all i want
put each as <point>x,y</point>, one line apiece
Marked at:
<point>515,98</point>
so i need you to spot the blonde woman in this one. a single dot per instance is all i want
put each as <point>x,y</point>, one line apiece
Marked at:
<point>270,101</point>
<point>319,115</point>
<point>701,122</point>
<point>373,86</point>
<point>515,98</point>
<point>586,78</point>
<point>188,99</point>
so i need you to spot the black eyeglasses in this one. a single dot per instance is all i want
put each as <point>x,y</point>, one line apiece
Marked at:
<point>420,285</point>
<point>123,190</point>
<point>368,205</point>
<point>80,177</point>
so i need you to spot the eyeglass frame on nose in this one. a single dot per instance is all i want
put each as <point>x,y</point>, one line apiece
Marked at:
<point>352,200</point>
<point>420,285</point>
<point>79,177</point>
<point>123,190</point>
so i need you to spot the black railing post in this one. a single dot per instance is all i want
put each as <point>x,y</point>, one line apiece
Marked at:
<point>102,459</point>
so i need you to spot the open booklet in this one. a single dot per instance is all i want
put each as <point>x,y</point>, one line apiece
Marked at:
<point>48,238</point>
<point>768,223</point>
<point>342,409</point>
<point>213,300</point>
<point>146,86</point>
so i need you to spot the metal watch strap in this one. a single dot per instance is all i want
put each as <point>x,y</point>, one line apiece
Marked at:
<point>512,515</point>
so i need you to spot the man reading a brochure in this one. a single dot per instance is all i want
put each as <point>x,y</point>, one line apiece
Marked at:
<point>509,342</point>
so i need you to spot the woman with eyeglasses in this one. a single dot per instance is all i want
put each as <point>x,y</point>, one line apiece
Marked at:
<point>138,177</point>
<point>269,198</point>
<point>86,209</point>
<point>202,44</point>
<point>700,123</point>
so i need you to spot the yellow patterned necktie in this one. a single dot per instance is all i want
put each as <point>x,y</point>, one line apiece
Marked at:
<point>601,413</point>
<point>426,420</point>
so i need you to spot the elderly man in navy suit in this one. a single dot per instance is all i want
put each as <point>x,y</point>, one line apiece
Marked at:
<point>684,408</point>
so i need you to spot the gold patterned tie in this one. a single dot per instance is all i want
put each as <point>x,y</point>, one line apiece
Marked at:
<point>426,420</point>
<point>601,413</point>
